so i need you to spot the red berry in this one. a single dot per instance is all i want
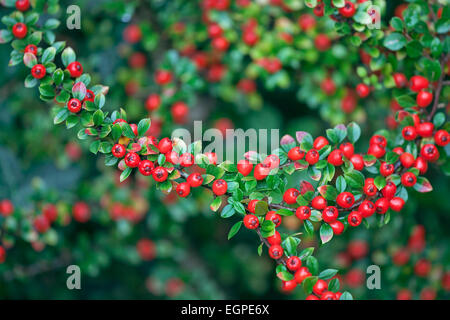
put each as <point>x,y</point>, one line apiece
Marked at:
<point>134,128</point>
<point>2,255</point>
<point>362,90</point>
<point>290,196</point>
<point>81,212</point>
<point>319,10</point>
<point>153,102</point>
<point>330,214</point>
<point>219,187</point>
<point>220,43</point>
<point>186,160</point>
<point>389,190</point>
<point>251,221</point>
<point>261,171</point>
<point>386,169</point>
<point>348,10</point>
<point>424,99</point>
<point>75,69</point>
<point>173,157</point>
<point>296,154</point>
<point>160,174</point>
<point>320,142</point>
<point>146,167</point>
<point>378,140</point>
<point>163,77</point>
<point>425,129</point>
<point>179,112</point>
<point>366,208</point>
<point>407,159</point>
<point>132,159</point>
<point>319,203</point>
<point>354,218</point>
<point>381,205</point>
<point>337,226</point>
<point>312,156</point>
<point>146,249</point>
<point>322,42</point>
<point>41,224</point>
<point>274,239</point>
<point>400,80</point>
<point>288,286</point>
<point>303,212</point>
<point>244,167</point>
<point>183,189</point>
<point>276,252</point>
<point>376,150</point>
<point>20,30</point>
<point>22,5</point>
<point>38,71</point>
<point>345,200</point>
<point>195,179</point>
<point>212,157</point>
<point>370,189</point>
<point>74,105</point>
<point>118,150</point>
<point>357,161</point>
<point>6,208</point>
<point>441,138</point>
<point>252,205</point>
<point>274,217</point>
<point>328,295</point>
<point>347,149</point>
<point>320,287</point>
<point>409,133</point>
<point>418,83</point>
<point>306,22</point>
<point>301,274</point>
<point>429,152</point>
<point>132,33</point>
<point>293,263</point>
<point>328,86</point>
<point>165,145</point>
<point>31,48</point>
<point>335,157</point>
<point>421,164</point>
<point>90,96</point>
<point>396,204</point>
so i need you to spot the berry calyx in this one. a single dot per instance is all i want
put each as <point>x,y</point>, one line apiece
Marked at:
<point>354,219</point>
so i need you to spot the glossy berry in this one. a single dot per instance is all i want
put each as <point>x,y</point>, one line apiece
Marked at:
<point>41,224</point>
<point>424,99</point>
<point>303,212</point>
<point>429,152</point>
<point>345,200</point>
<point>20,30</point>
<point>407,159</point>
<point>418,83</point>
<point>336,157</point>
<point>186,159</point>
<point>179,112</point>
<point>320,287</point>
<point>274,217</point>
<point>75,69</point>
<point>74,105</point>
<point>146,167</point>
<point>337,227</point>
<point>389,190</point>
<point>274,239</point>
<point>409,133</point>
<point>441,138</point>
<point>288,286</point>
<point>400,80</point>
<point>348,10</point>
<point>319,203</point>
<point>244,167</point>
<point>220,43</point>
<point>195,179</point>
<point>328,295</point>
<point>421,164</point>
<point>301,274</point>
<point>425,129</point>
<point>22,5</point>
<point>362,90</point>
<point>347,149</point>
<point>38,71</point>
<point>118,150</point>
<point>354,218</point>
<point>376,150</point>
<point>357,161</point>
<point>219,187</point>
<point>378,140</point>
<point>6,207</point>
<point>165,145</point>
<point>370,189</point>
<point>183,189</point>
<point>408,179</point>
<point>2,255</point>
<point>163,77</point>
<point>330,214</point>
<point>296,154</point>
<point>132,159</point>
<point>153,102</point>
<point>312,156</point>
<point>293,263</point>
<point>381,205</point>
<point>320,142</point>
<point>160,174</point>
<point>386,169</point>
<point>366,208</point>
<point>276,252</point>
<point>290,196</point>
<point>396,204</point>
<point>252,205</point>
<point>31,48</point>
<point>261,171</point>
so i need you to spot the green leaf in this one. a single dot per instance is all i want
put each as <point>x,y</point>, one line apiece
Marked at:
<point>380,182</point>
<point>227,211</point>
<point>346,296</point>
<point>68,56</point>
<point>313,265</point>
<point>125,174</point>
<point>397,24</point>
<point>395,41</point>
<point>309,283</point>
<point>261,208</point>
<point>143,126</point>
<point>79,90</point>
<point>48,55</point>
<point>29,60</point>
<point>327,274</point>
<point>326,233</point>
<point>353,132</point>
<point>290,245</point>
<point>61,116</point>
<point>234,229</point>
<point>423,185</point>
